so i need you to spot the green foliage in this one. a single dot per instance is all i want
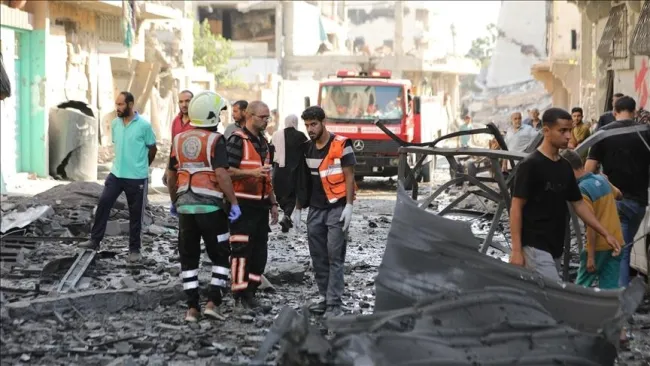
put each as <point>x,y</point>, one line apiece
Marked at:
<point>214,52</point>
<point>482,47</point>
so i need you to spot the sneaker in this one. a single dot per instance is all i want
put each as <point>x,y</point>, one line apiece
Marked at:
<point>89,244</point>
<point>211,311</point>
<point>134,256</point>
<point>333,311</point>
<point>192,315</point>
<point>318,307</point>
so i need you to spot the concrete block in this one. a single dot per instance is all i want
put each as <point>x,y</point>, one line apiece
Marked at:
<point>97,302</point>
<point>117,227</point>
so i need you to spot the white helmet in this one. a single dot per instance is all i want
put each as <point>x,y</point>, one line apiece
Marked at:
<point>204,109</point>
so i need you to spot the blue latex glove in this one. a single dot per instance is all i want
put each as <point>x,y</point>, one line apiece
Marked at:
<point>172,210</point>
<point>235,213</point>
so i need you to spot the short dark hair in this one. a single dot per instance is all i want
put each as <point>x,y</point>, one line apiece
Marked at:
<point>242,104</point>
<point>552,115</point>
<point>313,113</point>
<point>573,158</point>
<point>576,110</point>
<point>618,95</point>
<point>625,104</point>
<point>128,97</point>
<point>188,92</point>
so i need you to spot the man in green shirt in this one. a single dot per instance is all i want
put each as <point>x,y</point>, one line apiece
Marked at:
<point>135,149</point>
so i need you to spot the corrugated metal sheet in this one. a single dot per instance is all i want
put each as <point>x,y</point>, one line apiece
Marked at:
<point>613,42</point>
<point>640,44</point>
<point>15,18</point>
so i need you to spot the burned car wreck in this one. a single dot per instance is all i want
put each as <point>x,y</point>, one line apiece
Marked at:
<point>440,300</point>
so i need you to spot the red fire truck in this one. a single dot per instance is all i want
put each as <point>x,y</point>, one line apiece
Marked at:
<point>354,100</point>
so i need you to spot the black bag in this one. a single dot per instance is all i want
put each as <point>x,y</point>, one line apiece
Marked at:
<point>5,84</point>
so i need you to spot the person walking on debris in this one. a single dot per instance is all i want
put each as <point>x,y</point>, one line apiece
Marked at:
<point>249,158</point>
<point>238,117</point>
<point>289,145</point>
<point>135,149</point>
<point>331,190</point>
<point>625,160</point>
<point>609,117</point>
<point>198,182</point>
<point>597,261</point>
<point>544,182</point>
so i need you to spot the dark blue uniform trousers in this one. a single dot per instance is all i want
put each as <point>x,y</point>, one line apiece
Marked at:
<point>136,194</point>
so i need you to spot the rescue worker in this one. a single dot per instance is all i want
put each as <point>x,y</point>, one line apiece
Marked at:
<point>249,158</point>
<point>198,181</point>
<point>330,160</point>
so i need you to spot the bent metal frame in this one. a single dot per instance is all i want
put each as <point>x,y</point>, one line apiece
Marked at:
<point>496,188</point>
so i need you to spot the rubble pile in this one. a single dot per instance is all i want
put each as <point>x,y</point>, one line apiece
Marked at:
<point>132,313</point>
<point>495,326</point>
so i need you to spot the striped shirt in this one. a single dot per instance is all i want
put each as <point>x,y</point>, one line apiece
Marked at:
<point>314,157</point>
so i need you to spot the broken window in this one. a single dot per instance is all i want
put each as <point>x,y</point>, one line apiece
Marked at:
<point>640,44</point>
<point>613,43</point>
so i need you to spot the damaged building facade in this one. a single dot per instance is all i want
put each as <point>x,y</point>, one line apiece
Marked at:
<point>597,48</point>
<point>287,47</point>
<point>507,84</point>
<point>60,52</point>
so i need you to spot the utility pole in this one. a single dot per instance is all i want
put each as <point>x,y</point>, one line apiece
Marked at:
<point>399,37</point>
<point>453,39</point>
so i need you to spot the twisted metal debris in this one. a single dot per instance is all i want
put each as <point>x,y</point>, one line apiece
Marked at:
<point>441,302</point>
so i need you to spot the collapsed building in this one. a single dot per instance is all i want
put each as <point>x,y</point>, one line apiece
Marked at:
<point>506,84</point>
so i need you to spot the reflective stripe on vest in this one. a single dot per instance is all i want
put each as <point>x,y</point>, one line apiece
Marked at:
<point>197,174</point>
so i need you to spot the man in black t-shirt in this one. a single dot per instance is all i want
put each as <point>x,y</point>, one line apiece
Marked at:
<point>625,160</point>
<point>330,160</point>
<point>608,117</point>
<point>544,182</point>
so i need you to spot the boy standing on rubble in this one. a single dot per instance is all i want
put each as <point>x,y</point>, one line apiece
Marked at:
<point>597,261</point>
<point>544,182</point>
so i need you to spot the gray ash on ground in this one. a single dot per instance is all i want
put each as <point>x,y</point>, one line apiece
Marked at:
<point>158,336</point>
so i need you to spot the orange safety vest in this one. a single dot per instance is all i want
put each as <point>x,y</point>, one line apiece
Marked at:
<point>252,188</point>
<point>331,171</point>
<point>193,150</point>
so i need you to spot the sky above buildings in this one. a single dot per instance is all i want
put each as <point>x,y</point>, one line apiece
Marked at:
<point>470,19</point>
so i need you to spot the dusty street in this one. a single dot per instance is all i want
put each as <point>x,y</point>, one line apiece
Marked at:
<point>132,314</point>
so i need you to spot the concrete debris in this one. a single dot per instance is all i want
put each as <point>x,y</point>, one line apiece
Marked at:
<point>495,326</point>
<point>133,312</point>
<point>96,302</point>
<point>18,220</point>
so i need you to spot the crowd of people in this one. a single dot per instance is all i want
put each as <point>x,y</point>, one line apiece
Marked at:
<point>607,187</point>
<point>227,190</point>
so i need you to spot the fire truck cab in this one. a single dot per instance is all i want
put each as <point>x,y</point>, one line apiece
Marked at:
<point>354,100</point>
